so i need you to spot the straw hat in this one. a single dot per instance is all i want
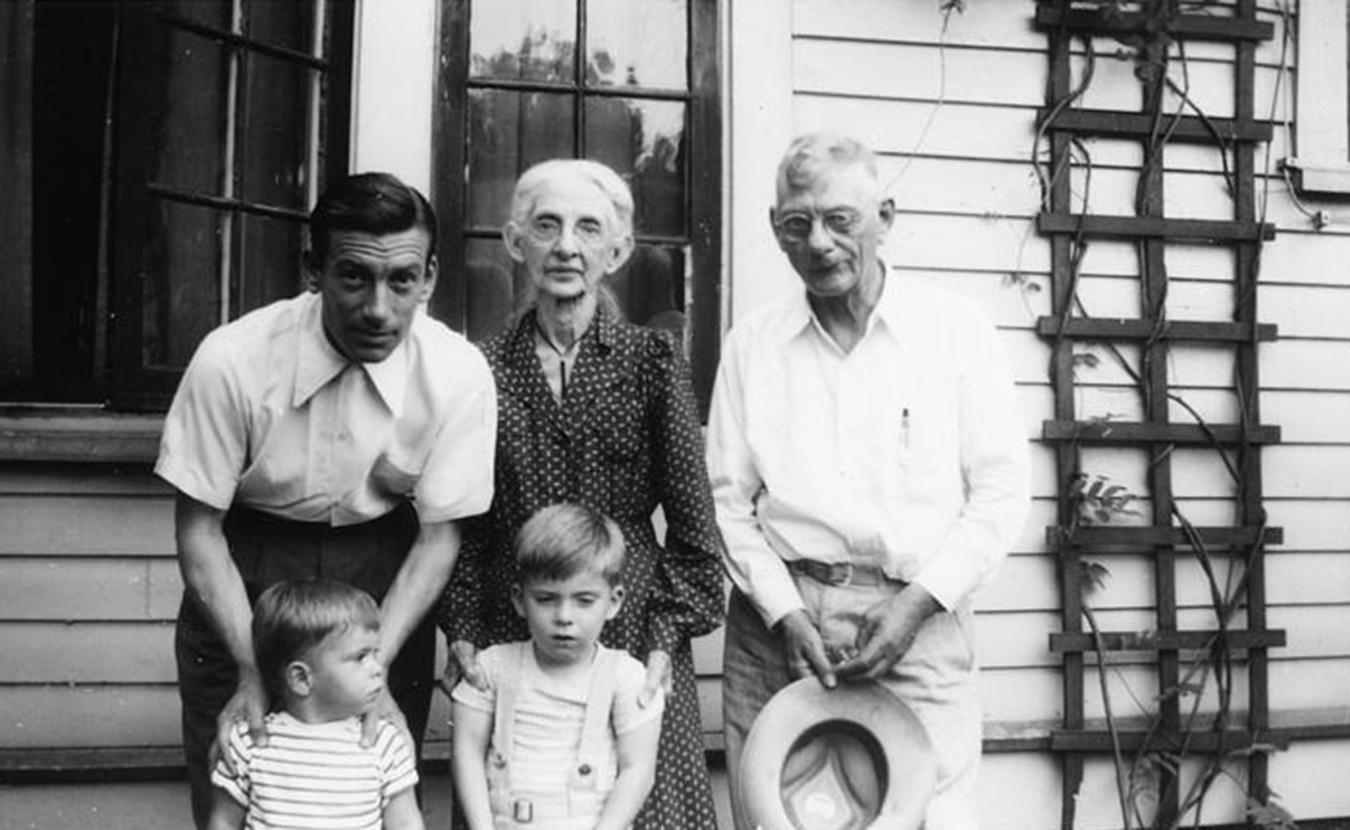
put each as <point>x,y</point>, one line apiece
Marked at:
<point>847,758</point>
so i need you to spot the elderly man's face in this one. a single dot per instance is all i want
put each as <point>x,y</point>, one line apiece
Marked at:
<point>830,223</point>
<point>371,286</point>
<point>570,240</point>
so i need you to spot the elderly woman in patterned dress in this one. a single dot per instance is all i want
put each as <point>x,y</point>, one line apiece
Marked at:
<point>598,411</point>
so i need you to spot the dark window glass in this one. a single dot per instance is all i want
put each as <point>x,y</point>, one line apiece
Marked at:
<point>158,159</point>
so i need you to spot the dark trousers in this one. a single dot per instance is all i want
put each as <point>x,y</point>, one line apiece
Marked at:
<point>267,549</point>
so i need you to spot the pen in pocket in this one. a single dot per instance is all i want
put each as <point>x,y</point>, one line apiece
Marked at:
<point>904,426</point>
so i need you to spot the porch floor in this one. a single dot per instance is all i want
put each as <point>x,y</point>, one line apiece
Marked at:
<point>164,805</point>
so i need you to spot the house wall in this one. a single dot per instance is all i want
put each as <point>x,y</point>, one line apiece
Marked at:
<point>953,115</point>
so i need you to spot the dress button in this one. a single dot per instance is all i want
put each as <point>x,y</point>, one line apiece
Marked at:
<point>584,769</point>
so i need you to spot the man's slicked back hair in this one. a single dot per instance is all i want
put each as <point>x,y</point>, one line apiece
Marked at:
<point>374,203</point>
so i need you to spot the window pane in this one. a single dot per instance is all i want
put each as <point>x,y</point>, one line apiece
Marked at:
<point>289,25</point>
<point>637,43</point>
<point>180,296</point>
<point>187,104</point>
<point>276,120</point>
<point>650,287</point>
<point>270,265</point>
<point>213,13</point>
<point>644,142</point>
<point>508,132</point>
<point>493,287</point>
<point>525,40</point>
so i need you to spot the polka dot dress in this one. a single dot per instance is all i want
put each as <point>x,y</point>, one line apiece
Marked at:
<point>624,440</point>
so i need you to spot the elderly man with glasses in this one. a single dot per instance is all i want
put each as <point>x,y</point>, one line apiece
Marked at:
<point>869,471</point>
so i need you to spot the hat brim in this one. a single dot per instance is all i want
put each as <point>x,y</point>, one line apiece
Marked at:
<point>907,766</point>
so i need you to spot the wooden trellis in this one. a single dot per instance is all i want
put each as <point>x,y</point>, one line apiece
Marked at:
<point>1150,26</point>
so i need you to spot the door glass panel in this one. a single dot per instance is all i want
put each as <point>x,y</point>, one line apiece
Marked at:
<point>644,141</point>
<point>508,132</point>
<point>637,43</point>
<point>275,132</point>
<point>180,296</point>
<point>523,40</point>
<point>188,104</point>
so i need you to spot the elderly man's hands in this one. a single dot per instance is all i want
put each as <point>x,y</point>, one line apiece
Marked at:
<point>804,649</point>
<point>886,631</point>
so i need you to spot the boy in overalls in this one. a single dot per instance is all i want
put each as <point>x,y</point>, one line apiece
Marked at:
<point>558,741</point>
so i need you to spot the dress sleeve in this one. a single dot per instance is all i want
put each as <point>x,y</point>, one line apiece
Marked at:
<point>688,598</point>
<point>237,782</point>
<point>397,770</point>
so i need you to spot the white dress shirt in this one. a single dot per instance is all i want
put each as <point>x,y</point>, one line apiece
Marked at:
<point>270,415</point>
<point>907,453</point>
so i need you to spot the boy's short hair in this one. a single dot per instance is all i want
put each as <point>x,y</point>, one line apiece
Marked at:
<point>292,617</point>
<point>563,540</point>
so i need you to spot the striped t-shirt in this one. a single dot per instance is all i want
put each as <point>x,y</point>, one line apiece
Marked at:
<point>316,774</point>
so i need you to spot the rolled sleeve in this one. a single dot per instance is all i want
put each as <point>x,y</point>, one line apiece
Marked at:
<point>204,445</point>
<point>457,480</point>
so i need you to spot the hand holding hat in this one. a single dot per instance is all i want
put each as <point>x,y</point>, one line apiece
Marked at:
<point>886,631</point>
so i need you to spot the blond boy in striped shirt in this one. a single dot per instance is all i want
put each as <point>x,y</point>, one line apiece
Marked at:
<point>316,645</point>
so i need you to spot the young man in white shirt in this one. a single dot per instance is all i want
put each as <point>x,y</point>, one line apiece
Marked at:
<point>869,470</point>
<point>341,434</point>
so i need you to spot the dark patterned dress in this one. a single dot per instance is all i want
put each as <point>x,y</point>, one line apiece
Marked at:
<point>624,440</point>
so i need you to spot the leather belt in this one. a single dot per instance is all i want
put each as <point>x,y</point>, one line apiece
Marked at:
<point>840,573</point>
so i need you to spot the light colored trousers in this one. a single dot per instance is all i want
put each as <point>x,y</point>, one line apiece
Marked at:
<point>936,678</point>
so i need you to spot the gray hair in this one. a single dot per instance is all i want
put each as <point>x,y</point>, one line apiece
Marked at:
<point>807,153</point>
<point>601,176</point>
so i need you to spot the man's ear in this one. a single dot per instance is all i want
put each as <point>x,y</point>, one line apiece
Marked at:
<point>429,281</point>
<point>518,599</point>
<point>617,593</point>
<point>299,678</point>
<point>313,270</point>
<point>886,211</point>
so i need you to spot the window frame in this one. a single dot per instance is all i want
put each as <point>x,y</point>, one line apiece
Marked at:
<point>703,174</point>
<point>132,386</point>
<point>1321,165</point>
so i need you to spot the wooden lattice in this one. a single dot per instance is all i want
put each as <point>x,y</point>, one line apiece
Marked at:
<point>1150,27</point>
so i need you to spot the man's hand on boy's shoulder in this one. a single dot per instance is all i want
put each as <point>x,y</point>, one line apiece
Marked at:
<point>248,705</point>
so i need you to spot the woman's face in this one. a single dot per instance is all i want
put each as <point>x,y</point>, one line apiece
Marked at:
<point>570,239</point>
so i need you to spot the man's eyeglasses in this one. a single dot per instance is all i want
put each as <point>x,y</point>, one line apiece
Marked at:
<point>796,227</point>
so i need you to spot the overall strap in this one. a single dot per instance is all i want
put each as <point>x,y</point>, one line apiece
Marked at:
<point>595,730</point>
<point>504,716</point>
